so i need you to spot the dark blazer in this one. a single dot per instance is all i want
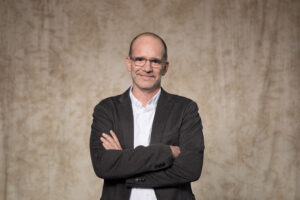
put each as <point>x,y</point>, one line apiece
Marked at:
<point>176,122</point>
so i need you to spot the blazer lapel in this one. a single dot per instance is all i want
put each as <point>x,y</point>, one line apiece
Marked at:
<point>126,119</point>
<point>163,108</point>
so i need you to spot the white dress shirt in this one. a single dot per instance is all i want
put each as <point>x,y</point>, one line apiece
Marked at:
<point>143,120</point>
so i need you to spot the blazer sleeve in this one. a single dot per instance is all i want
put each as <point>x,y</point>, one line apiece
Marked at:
<point>117,164</point>
<point>187,166</point>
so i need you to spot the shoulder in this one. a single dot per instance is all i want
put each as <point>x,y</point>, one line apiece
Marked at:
<point>179,100</point>
<point>112,101</point>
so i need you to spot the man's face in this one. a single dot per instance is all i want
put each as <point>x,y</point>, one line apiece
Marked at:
<point>147,77</point>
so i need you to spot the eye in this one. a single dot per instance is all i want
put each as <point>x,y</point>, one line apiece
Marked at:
<point>155,61</point>
<point>139,59</point>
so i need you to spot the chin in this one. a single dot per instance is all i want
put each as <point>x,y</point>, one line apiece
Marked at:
<point>149,87</point>
<point>146,87</point>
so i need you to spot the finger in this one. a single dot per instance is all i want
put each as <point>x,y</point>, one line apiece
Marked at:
<point>175,151</point>
<point>115,138</point>
<point>106,147</point>
<point>103,142</point>
<point>106,144</point>
<point>110,140</point>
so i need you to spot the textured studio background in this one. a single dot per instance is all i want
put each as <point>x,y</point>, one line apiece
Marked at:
<point>238,59</point>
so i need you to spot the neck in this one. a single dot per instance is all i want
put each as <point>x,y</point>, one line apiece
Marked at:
<point>144,95</point>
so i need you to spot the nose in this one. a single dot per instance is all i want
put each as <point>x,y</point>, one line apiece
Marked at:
<point>147,66</point>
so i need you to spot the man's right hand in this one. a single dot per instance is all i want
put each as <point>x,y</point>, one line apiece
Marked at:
<point>175,151</point>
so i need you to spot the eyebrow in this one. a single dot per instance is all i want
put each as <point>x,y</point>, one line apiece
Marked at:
<point>151,58</point>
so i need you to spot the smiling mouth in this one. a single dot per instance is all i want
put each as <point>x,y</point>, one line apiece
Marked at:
<point>146,76</point>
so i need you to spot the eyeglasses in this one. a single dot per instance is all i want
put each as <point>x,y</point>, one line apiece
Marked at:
<point>141,61</point>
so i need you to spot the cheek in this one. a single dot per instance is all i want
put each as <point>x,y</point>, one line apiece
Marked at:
<point>134,72</point>
<point>159,73</point>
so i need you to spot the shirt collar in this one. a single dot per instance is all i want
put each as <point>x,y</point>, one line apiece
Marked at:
<point>151,103</point>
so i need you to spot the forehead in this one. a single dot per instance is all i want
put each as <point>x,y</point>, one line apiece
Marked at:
<point>148,46</point>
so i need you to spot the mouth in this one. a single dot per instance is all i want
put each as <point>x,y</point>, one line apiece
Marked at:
<point>146,76</point>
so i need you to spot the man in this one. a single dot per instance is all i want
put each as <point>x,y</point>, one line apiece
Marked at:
<point>147,144</point>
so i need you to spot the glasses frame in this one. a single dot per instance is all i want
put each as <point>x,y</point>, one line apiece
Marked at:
<point>151,60</point>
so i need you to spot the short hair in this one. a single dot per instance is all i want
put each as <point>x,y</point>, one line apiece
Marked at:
<point>165,54</point>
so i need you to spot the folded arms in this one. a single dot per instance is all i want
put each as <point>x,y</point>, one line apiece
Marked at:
<point>156,165</point>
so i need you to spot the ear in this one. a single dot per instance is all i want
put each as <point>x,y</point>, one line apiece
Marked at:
<point>165,69</point>
<point>128,63</point>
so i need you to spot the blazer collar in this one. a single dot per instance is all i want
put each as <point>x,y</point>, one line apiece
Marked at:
<point>162,112</point>
<point>126,119</point>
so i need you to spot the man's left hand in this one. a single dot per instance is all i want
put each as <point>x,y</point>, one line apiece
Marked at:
<point>110,143</point>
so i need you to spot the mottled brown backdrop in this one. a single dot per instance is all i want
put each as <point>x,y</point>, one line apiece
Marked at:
<point>238,59</point>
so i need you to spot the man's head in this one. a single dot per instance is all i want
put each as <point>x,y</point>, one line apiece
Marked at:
<point>147,61</point>
<point>165,54</point>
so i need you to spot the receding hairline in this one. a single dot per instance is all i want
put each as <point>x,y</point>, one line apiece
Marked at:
<point>153,35</point>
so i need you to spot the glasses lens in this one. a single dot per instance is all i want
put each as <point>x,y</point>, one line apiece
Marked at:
<point>155,63</point>
<point>139,61</point>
